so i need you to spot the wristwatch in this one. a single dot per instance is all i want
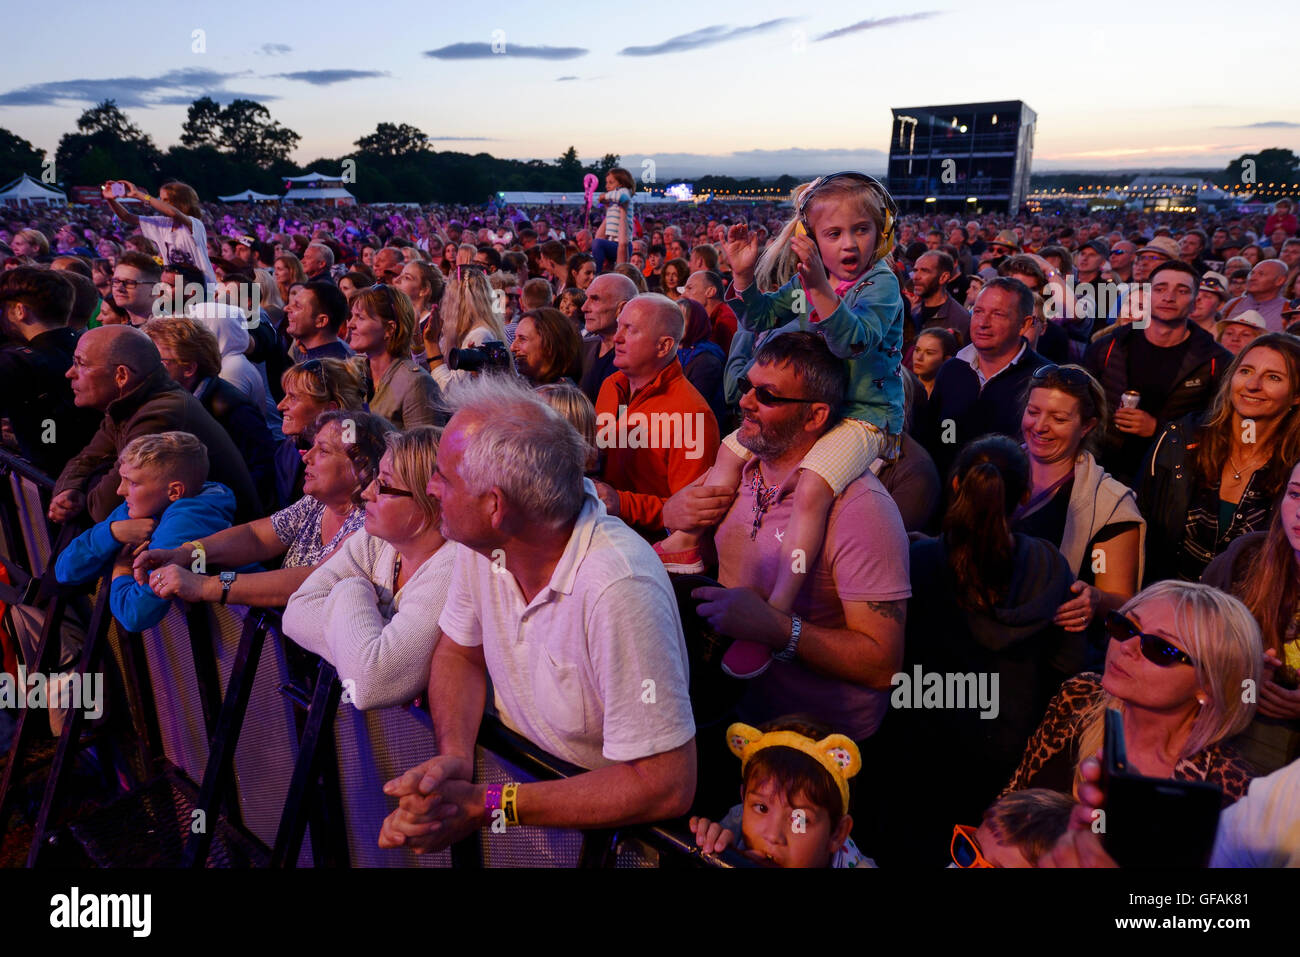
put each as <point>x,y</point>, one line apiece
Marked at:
<point>227,579</point>
<point>787,653</point>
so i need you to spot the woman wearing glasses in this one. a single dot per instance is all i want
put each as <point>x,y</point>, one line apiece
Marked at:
<point>305,533</point>
<point>1178,657</point>
<point>1263,570</point>
<point>372,609</point>
<point>380,329</point>
<point>1073,502</point>
<point>1210,479</point>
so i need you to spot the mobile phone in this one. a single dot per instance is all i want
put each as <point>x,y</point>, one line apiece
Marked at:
<point>1154,822</point>
<point>117,189</point>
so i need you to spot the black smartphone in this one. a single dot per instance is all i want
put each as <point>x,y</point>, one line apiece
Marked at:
<point>1153,822</point>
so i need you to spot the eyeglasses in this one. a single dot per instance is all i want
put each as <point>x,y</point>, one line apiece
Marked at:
<point>965,849</point>
<point>1154,648</point>
<point>765,396</point>
<point>127,284</point>
<point>391,492</point>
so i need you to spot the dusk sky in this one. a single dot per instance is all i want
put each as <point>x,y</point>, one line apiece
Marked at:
<point>729,87</point>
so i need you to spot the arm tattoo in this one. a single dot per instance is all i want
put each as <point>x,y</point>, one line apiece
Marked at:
<point>893,610</point>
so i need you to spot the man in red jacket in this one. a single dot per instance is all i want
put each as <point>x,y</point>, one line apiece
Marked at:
<point>654,428</point>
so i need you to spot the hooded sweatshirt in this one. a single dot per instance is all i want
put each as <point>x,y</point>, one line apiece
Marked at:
<point>92,553</point>
<point>229,324</point>
<point>1016,641</point>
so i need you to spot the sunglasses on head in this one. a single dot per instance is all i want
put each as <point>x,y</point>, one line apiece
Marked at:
<point>1051,370</point>
<point>765,397</point>
<point>965,849</point>
<point>1155,649</point>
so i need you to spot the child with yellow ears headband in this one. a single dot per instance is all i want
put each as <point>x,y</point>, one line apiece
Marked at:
<point>794,809</point>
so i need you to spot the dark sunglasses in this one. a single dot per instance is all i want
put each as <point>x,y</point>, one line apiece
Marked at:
<point>1154,648</point>
<point>765,396</point>
<point>1051,370</point>
<point>388,490</point>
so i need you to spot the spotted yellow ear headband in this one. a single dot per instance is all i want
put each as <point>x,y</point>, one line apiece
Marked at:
<point>836,753</point>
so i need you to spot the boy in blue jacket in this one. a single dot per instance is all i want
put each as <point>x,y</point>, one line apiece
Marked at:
<point>168,503</point>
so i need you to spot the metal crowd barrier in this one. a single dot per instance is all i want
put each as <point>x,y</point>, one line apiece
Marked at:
<point>234,756</point>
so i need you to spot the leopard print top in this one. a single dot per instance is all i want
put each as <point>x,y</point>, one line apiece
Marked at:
<point>1056,743</point>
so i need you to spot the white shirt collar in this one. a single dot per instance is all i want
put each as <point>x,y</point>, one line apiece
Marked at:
<point>969,355</point>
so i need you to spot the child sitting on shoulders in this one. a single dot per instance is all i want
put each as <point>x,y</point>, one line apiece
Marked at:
<point>794,809</point>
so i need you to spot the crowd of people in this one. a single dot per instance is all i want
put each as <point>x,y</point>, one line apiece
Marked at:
<point>1052,459</point>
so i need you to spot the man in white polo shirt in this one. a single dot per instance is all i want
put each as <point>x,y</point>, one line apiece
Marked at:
<point>570,614</point>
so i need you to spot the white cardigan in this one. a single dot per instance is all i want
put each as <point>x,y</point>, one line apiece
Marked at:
<point>380,643</point>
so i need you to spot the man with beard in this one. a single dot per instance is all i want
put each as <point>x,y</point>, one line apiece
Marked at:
<point>936,307</point>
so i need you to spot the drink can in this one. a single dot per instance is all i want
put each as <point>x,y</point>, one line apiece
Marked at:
<point>1130,399</point>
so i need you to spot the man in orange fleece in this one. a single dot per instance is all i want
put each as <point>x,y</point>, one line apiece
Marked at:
<point>653,427</point>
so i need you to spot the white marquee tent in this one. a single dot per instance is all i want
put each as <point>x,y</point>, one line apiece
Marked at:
<point>25,191</point>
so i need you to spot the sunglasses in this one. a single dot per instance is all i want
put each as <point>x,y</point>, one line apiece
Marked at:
<point>1154,648</point>
<point>391,492</point>
<point>765,396</point>
<point>1051,370</point>
<point>965,849</point>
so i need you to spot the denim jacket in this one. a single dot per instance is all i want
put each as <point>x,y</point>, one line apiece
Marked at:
<point>866,330</point>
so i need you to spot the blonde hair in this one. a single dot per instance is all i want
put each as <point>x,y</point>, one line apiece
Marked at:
<point>173,455</point>
<point>37,237</point>
<point>270,291</point>
<point>415,458</point>
<point>1223,641</point>
<point>572,403</point>
<point>334,380</point>
<point>777,264</point>
<point>191,341</point>
<point>466,305</point>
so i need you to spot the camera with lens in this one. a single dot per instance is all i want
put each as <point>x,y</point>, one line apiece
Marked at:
<point>490,357</point>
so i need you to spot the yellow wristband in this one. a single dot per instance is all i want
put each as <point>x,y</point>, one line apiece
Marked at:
<point>508,795</point>
<point>203,554</point>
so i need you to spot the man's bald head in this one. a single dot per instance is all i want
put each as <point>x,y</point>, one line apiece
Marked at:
<point>664,315</point>
<point>125,346</point>
<point>617,286</point>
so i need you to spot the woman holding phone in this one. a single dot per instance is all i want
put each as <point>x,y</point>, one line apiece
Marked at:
<point>177,230</point>
<point>1177,659</point>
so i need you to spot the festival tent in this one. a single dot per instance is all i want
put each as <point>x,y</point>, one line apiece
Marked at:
<point>250,196</point>
<point>318,188</point>
<point>25,191</point>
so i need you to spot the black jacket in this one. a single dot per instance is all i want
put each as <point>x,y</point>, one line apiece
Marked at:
<point>1169,486</point>
<point>246,426</point>
<point>36,397</point>
<point>973,411</point>
<point>1197,380</point>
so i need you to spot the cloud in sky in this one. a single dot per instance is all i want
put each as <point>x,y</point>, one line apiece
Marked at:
<point>1266,125</point>
<point>705,37</point>
<point>131,92</point>
<point>330,77</point>
<point>276,49</point>
<point>874,23</point>
<point>564,79</point>
<point>483,51</point>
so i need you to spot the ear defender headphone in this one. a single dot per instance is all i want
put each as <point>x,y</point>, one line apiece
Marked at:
<point>885,243</point>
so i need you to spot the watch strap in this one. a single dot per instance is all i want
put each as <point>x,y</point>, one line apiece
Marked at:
<point>788,652</point>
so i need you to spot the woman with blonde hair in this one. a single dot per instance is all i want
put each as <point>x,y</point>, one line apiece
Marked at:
<point>372,609</point>
<point>381,329</point>
<point>1178,657</point>
<point>465,319</point>
<point>312,388</point>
